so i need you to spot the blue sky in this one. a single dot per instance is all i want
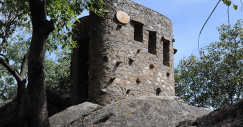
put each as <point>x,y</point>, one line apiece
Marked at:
<point>188,17</point>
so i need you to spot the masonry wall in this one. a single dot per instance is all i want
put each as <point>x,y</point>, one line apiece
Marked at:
<point>79,63</point>
<point>124,63</point>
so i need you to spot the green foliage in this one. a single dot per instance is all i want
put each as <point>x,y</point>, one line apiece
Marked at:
<point>64,14</point>
<point>15,17</point>
<point>13,14</point>
<point>215,78</point>
<point>7,85</point>
<point>57,72</point>
<point>229,3</point>
<point>15,53</point>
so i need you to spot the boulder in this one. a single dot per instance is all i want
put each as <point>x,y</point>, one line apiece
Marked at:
<point>72,113</point>
<point>156,111</point>
<point>228,116</point>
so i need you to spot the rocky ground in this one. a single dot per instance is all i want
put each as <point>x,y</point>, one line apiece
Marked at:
<point>228,116</point>
<point>157,111</point>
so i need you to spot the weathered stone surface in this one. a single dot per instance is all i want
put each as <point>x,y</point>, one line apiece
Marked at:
<point>71,114</point>
<point>157,111</point>
<point>228,116</point>
<point>115,61</point>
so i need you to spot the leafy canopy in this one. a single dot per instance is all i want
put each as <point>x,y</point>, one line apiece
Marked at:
<point>15,26</point>
<point>214,79</point>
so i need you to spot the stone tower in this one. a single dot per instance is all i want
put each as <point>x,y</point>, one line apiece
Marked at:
<point>127,53</point>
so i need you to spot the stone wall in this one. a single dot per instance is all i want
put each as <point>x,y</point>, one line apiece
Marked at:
<point>126,60</point>
<point>79,59</point>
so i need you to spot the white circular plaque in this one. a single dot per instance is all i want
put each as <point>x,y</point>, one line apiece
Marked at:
<point>123,17</point>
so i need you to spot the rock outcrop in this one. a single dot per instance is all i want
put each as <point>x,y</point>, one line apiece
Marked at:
<point>157,111</point>
<point>72,113</point>
<point>228,116</point>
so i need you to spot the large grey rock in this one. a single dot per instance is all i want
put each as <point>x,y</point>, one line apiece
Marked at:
<point>71,114</point>
<point>157,111</point>
<point>228,116</point>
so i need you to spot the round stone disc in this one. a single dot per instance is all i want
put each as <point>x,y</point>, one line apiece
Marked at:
<point>123,17</point>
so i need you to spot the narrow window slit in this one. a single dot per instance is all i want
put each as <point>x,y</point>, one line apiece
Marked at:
<point>166,52</point>
<point>138,31</point>
<point>152,42</point>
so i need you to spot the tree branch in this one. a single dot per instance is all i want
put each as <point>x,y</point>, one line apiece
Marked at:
<point>3,96</point>
<point>11,21</point>
<point>49,27</point>
<point>38,14</point>
<point>6,58</point>
<point>24,65</point>
<point>11,70</point>
<point>206,22</point>
<point>5,38</point>
<point>7,30</point>
<point>10,14</point>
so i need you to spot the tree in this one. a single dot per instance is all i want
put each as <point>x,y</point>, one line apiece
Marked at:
<point>215,78</point>
<point>36,85</point>
<point>10,13</point>
<point>61,13</point>
<point>41,30</point>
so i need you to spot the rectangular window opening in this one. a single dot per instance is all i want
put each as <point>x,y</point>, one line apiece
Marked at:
<point>138,31</point>
<point>166,52</point>
<point>152,42</point>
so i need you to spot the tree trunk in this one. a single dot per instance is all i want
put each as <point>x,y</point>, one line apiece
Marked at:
<point>36,85</point>
<point>21,87</point>
<point>21,92</point>
<point>20,104</point>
